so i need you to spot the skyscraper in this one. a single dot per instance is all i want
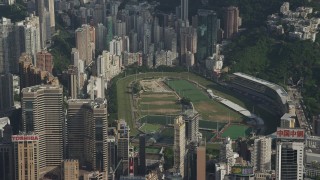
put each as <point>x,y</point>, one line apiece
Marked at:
<point>261,155</point>
<point>73,82</point>
<point>191,118</point>
<point>142,154</point>
<point>123,134</point>
<point>207,30</point>
<point>45,61</point>
<point>184,10</point>
<point>179,148</point>
<point>32,36</point>
<point>50,6</point>
<point>6,154</point>
<point>42,112</point>
<point>231,21</point>
<point>6,93</point>
<point>85,43</point>
<point>87,133</point>
<point>201,162</point>
<point>290,156</point>
<point>26,156</point>
<point>188,42</point>
<point>226,154</point>
<point>41,13</point>
<point>101,36</point>
<point>28,73</point>
<point>112,153</point>
<point>23,36</point>
<point>5,39</point>
<point>70,169</point>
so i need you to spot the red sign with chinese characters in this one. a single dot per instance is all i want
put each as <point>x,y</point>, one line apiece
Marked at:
<point>290,133</point>
<point>16,138</point>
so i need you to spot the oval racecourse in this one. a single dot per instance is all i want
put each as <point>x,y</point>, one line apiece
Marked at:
<point>160,98</point>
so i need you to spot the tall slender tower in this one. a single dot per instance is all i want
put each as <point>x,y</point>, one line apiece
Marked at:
<point>87,128</point>
<point>231,21</point>
<point>50,7</point>
<point>26,156</point>
<point>226,154</point>
<point>261,156</point>
<point>142,154</point>
<point>41,12</point>
<point>290,160</point>
<point>184,10</point>
<point>85,43</point>
<point>179,147</point>
<point>6,152</point>
<point>42,112</point>
<point>123,135</point>
<point>6,95</point>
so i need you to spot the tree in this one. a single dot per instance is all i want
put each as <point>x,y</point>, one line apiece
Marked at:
<point>168,158</point>
<point>185,101</point>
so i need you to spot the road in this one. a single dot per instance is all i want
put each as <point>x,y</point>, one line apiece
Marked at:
<point>296,98</point>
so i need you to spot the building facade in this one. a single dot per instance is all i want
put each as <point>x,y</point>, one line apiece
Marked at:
<point>42,113</point>
<point>6,93</point>
<point>226,154</point>
<point>231,21</point>
<point>179,147</point>
<point>45,61</point>
<point>85,43</point>
<point>87,133</point>
<point>290,157</point>
<point>261,155</point>
<point>70,169</point>
<point>26,156</point>
<point>123,140</point>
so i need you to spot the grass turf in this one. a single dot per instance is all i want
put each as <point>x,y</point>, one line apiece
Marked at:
<point>152,119</point>
<point>149,128</point>
<point>208,108</point>
<point>235,131</point>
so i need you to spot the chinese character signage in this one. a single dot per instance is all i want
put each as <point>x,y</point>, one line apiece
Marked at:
<point>283,133</point>
<point>16,138</point>
<point>242,170</point>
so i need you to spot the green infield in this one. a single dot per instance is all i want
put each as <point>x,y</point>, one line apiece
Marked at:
<point>211,125</point>
<point>207,135</point>
<point>153,119</point>
<point>208,108</point>
<point>150,128</point>
<point>158,103</point>
<point>236,131</point>
<point>187,89</point>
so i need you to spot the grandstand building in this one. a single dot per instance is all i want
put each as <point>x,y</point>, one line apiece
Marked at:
<point>271,93</point>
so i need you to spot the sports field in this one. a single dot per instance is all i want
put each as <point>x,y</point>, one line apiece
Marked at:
<point>211,125</point>
<point>158,103</point>
<point>150,128</point>
<point>208,108</point>
<point>235,131</point>
<point>153,119</point>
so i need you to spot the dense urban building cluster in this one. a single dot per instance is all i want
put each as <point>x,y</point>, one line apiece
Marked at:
<point>301,24</point>
<point>64,131</point>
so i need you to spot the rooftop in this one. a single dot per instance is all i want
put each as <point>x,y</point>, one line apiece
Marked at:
<point>4,121</point>
<point>40,87</point>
